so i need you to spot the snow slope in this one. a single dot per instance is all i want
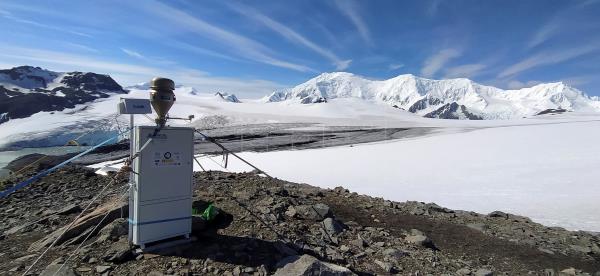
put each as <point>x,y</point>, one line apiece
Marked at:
<point>548,172</point>
<point>424,96</point>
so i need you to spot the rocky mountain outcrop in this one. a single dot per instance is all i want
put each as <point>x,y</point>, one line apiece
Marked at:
<point>453,111</point>
<point>268,226</point>
<point>26,90</point>
<point>425,96</point>
<point>552,111</point>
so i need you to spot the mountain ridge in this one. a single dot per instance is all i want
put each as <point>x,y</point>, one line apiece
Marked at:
<point>424,96</point>
<point>26,90</point>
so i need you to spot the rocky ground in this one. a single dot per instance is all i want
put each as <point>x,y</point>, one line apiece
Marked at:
<point>268,226</point>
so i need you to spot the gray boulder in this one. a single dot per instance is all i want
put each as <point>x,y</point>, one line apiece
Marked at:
<point>114,230</point>
<point>393,253</point>
<point>387,267</point>
<point>307,265</point>
<point>417,237</point>
<point>483,272</point>
<point>53,269</point>
<point>568,272</point>
<point>498,214</point>
<point>316,212</point>
<point>332,226</point>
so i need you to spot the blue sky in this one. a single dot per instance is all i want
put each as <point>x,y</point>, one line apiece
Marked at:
<point>252,47</point>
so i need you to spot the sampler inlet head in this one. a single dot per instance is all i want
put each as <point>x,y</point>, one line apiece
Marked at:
<point>162,98</point>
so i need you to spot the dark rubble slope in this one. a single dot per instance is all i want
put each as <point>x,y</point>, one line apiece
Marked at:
<point>264,221</point>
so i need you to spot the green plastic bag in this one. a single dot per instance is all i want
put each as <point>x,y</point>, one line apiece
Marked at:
<point>210,213</point>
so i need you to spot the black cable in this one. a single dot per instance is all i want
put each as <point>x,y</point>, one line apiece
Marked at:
<point>212,140</point>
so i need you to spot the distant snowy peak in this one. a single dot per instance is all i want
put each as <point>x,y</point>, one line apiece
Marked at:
<point>26,90</point>
<point>139,86</point>
<point>188,90</point>
<point>227,97</point>
<point>440,98</point>
<point>179,89</point>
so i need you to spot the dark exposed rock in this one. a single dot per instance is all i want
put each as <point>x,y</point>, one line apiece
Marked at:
<point>552,111</point>
<point>423,104</point>
<point>452,111</point>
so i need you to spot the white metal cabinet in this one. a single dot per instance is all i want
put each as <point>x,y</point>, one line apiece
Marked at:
<point>161,197</point>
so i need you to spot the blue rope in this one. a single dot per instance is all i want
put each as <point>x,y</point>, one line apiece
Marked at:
<point>34,178</point>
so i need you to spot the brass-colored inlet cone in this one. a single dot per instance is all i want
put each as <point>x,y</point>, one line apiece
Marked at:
<point>162,98</point>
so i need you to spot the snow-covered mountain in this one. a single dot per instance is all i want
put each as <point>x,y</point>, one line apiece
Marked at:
<point>26,90</point>
<point>448,99</point>
<point>228,97</point>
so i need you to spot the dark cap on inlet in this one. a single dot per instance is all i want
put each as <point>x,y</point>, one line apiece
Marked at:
<point>159,83</point>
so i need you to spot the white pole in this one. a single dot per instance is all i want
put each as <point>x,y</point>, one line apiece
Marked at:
<point>130,137</point>
<point>131,192</point>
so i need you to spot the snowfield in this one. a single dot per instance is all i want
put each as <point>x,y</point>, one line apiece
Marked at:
<point>547,172</point>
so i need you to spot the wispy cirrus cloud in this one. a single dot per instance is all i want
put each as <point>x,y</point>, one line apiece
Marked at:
<point>289,34</point>
<point>81,47</point>
<point>464,71</point>
<point>350,9</point>
<point>544,33</point>
<point>548,58</point>
<point>435,62</point>
<point>132,53</point>
<point>8,15</point>
<point>395,66</point>
<point>558,23</point>
<point>199,50</point>
<point>579,80</point>
<point>127,73</point>
<point>432,7</point>
<point>147,59</point>
<point>242,45</point>
<point>516,84</point>
<point>72,61</point>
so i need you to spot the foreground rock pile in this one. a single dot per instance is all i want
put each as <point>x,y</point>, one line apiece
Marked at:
<point>273,227</point>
